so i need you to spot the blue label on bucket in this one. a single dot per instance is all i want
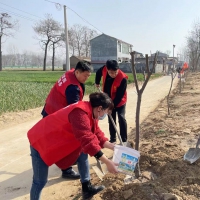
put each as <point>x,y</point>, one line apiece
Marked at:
<point>127,163</point>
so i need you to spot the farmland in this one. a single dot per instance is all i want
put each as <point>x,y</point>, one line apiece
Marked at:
<point>22,90</point>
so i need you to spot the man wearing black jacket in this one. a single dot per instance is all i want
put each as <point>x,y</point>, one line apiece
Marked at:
<point>114,84</point>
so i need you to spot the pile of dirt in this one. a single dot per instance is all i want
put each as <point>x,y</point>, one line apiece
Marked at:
<point>164,141</point>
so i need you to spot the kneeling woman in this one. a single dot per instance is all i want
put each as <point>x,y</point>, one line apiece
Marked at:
<point>68,136</point>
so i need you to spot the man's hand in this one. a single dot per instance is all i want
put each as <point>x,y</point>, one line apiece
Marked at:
<point>97,85</point>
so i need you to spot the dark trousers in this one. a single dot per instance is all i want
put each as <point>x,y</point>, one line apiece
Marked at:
<point>120,111</point>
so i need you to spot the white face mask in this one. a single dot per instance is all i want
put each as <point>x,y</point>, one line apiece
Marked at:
<point>102,117</point>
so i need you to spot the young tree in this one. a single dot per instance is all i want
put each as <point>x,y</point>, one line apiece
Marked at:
<point>173,75</point>
<point>140,91</point>
<point>47,29</point>
<point>7,29</point>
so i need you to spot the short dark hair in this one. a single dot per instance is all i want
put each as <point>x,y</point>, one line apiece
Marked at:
<point>112,65</point>
<point>101,99</point>
<point>83,66</point>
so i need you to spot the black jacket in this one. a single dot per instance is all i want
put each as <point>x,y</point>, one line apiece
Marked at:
<point>108,84</point>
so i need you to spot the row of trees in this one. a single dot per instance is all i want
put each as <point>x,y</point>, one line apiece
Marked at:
<point>28,59</point>
<point>50,36</point>
<point>192,50</point>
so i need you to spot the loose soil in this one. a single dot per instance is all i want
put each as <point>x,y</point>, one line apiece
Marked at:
<point>164,141</point>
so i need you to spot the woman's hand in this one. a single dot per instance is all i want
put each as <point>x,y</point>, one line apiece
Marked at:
<point>109,145</point>
<point>111,166</point>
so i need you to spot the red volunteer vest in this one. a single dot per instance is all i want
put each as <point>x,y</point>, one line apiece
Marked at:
<point>56,98</point>
<point>116,83</point>
<point>53,138</point>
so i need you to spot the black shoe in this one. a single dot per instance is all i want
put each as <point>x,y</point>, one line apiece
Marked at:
<point>88,190</point>
<point>112,141</point>
<point>70,174</point>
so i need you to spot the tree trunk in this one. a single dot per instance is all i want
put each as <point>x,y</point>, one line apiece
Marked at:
<point>0,55</point>
<point>53,57</point>
<point>172,80</point>
<point>137,121</point>
<point>45,56</point>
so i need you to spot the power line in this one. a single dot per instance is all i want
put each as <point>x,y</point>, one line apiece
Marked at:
<point>58,5</point>
<point>20,10</point>
<point>76,14</point>
<point>84,19</point>
<point>18,15</point>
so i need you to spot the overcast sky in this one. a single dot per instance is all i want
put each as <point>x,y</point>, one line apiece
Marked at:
<point>149,25</point>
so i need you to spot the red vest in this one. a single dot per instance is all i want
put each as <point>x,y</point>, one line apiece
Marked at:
<point>53,137</point>
<point>56,98</point>
<point>116,83</point>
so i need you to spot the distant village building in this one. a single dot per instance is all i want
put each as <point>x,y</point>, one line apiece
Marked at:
<point>160,57</point>
<point>104,47</point>
<point>75,59</point>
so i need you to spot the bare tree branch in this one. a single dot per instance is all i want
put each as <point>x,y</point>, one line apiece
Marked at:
<point>7,29</point>
<point>47,30</point>
<point>133,70</point>
<point>149,72</point>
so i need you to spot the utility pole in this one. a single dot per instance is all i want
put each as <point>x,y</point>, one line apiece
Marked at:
<point>0,52</point>
<point>173,55</point>
<point>59,6</point>
<point>66,40</point>
<point>1,34</point>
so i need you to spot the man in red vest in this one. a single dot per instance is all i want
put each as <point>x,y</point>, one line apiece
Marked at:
<point>114,84</point>
<point>67,90</point>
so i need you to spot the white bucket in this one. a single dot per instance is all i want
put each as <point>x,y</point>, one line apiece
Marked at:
<point>127,159</point>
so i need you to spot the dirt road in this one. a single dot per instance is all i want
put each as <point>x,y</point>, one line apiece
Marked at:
<point>15,162</point>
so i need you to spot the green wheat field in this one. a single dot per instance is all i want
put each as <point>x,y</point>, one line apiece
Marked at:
<point>22,90</point>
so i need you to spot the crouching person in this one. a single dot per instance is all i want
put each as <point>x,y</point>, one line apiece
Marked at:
<point>68,136</point>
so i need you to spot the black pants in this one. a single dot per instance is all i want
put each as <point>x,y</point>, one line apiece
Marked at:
<point>120,111</point>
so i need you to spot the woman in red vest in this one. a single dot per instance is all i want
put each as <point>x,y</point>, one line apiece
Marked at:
<point>68,136</point>
<point>115,84</point>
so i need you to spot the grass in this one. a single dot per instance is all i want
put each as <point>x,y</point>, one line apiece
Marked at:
<point>160,131</point>
<point>22,90</point>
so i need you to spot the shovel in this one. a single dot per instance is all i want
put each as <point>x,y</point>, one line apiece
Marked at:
<point>127,144</point>
<point>98,169</point>
<point>193,154</point>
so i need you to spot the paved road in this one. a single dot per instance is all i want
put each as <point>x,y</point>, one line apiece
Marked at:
<point>15,163</point>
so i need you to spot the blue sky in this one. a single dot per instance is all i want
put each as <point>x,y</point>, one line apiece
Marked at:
<point>149,25</point>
